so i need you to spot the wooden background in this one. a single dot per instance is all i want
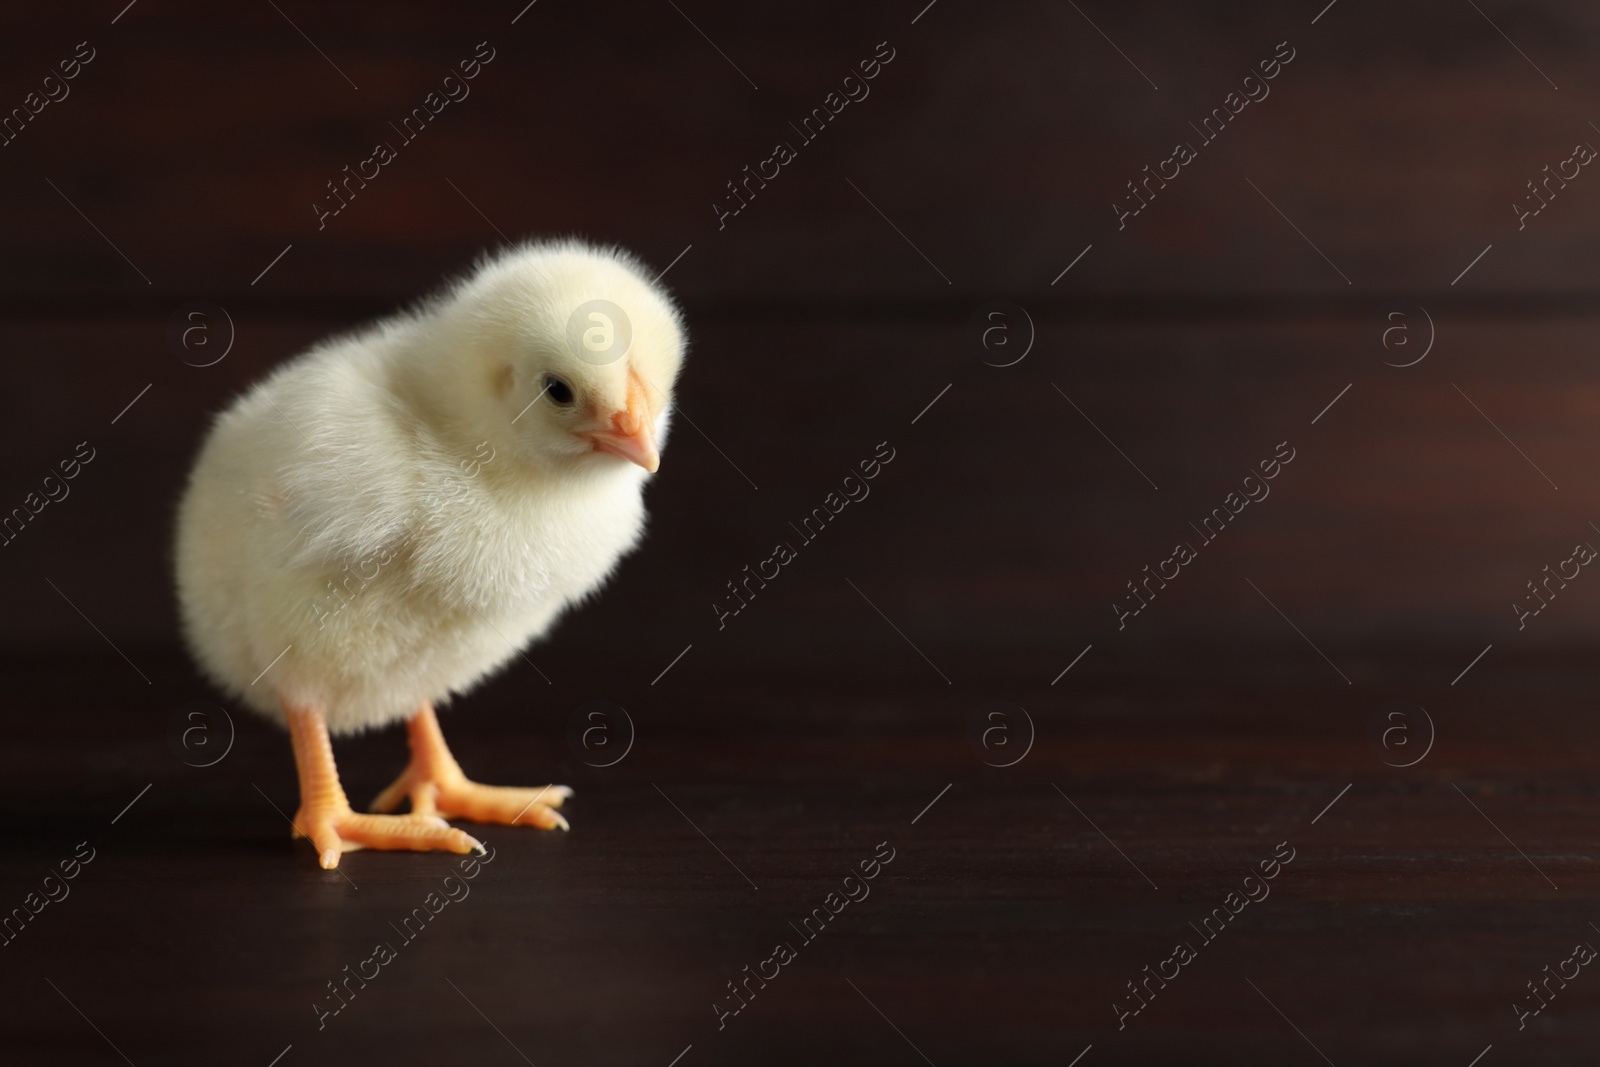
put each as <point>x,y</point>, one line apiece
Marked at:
<point>1196,339</point>
<point>824,319</point>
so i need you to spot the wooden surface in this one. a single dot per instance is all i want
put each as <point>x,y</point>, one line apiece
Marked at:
<point>1002,931</point>
<point>1254,301</point>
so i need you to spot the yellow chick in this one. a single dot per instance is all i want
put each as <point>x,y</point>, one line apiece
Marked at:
<point>390,517</point>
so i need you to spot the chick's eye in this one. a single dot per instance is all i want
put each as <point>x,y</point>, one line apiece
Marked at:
<point>559,390</point>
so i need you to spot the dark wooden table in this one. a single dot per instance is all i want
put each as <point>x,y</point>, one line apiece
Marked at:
<point>1019,901</point>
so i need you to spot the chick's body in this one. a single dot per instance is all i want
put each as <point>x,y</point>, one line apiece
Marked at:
<point>423,572</point>
<point>393,515</point>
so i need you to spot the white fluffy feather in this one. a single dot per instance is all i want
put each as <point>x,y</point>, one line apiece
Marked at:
<point>390,509</point>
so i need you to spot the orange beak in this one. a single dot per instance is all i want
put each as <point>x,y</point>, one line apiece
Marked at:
<point>632,433</point>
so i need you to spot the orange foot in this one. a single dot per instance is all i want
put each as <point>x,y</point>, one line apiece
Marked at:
<point>436,786</point>
<point>325,815</point>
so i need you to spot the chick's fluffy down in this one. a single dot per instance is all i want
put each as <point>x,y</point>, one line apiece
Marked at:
<point>378,514</point>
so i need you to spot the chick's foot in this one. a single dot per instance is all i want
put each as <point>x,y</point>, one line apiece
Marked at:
<point>325,815</point>
<point>335,830</point>
<point>436,786</point>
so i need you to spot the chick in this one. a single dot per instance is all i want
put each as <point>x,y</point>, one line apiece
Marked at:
<point>392,516</point>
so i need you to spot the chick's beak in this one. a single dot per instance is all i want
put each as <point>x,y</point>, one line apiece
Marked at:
<point>631,433</point>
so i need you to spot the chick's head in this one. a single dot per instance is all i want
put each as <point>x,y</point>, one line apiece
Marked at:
<point>575,353</point>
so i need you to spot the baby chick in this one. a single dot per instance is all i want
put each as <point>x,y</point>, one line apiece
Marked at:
<point>393,515</point>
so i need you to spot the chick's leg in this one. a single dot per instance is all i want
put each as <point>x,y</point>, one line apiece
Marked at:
<point>325,815</point>
<point>436,785</point>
